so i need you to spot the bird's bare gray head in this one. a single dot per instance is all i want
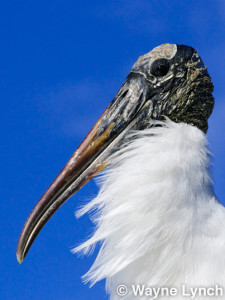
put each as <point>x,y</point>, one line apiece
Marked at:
<point>170,81</point>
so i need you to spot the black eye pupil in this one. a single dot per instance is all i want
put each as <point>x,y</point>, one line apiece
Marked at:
<point>160,67</point>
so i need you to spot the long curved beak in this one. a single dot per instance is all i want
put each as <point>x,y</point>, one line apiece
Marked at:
<point>89,158</point>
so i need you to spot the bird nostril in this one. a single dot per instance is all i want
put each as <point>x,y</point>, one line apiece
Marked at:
<point>124,94</point>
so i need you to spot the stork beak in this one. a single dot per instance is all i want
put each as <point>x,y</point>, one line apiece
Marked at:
<point>89,159</point>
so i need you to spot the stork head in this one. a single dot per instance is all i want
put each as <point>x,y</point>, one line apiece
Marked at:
<point>169,81</point>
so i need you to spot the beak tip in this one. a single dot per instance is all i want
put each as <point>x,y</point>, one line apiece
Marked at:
<point>19,256</point>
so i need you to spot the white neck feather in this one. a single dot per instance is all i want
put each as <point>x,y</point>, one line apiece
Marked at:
<point>157,217</point>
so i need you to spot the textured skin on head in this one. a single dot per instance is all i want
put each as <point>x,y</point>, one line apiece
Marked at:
<point>164,51</point>
<point>184,94</point>
<point>192,101</point>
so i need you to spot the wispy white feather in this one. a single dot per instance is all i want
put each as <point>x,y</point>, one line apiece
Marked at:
<point>157,217</point>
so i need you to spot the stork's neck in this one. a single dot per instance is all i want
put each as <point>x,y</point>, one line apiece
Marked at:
<point>156,205</point>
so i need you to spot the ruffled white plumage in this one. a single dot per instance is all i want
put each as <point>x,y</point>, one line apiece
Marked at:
<point>156,214</point>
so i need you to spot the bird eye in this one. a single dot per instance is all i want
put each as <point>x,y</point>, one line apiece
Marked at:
<point>160,67</point>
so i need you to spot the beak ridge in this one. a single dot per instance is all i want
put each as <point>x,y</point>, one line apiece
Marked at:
<point>88,160</point>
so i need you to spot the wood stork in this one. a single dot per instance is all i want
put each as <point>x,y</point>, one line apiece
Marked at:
<point>157,217</point>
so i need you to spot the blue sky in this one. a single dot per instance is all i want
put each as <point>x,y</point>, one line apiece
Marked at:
<point>61,63</point>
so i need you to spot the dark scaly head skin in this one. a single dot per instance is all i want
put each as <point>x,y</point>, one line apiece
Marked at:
<point>184,94</point>
<point>169,81</point>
